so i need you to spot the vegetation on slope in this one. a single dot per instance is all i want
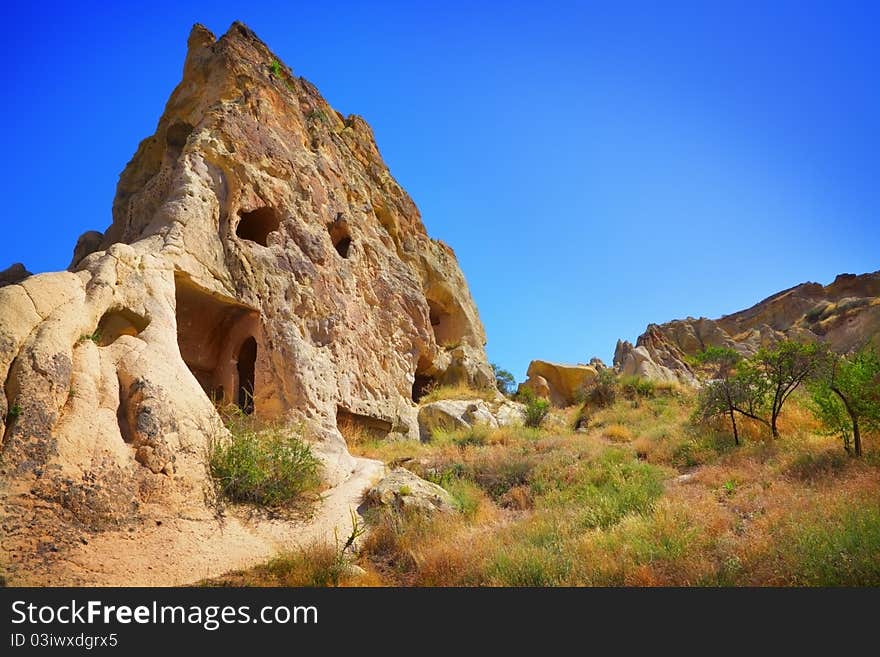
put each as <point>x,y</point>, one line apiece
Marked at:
<point>643,492</point>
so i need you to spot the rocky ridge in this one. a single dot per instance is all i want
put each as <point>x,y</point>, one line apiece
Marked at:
<point>844,315</point>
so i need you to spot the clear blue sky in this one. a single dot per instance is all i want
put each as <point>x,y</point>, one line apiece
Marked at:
<point>596,166</point>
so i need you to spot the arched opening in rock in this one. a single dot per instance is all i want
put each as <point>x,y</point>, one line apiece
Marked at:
<point>116,323</point>
<point>448,327</point>
<point>246,366</point>
<point>256,225</point>
<point>218,339</point>
<point>340,235</point>
<point>357,428</point>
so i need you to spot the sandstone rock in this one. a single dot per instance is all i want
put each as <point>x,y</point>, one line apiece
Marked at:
<point>88,243</point>
<point>454,414</point>
<point>402,490</point>
<point>638,362</point>
<point>13,274</point>
<point>260,255</point>
<point>537,385</point>
<point>563,382</point>
<point>509,413</point>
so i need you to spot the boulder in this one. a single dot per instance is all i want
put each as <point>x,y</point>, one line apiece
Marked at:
<point>88,243</point>
<point>537,385</point>
<point>509,413</point>
<point>402,490</point>
<point>564,383</point>
<point>638,362</point>
<point>454,414</point>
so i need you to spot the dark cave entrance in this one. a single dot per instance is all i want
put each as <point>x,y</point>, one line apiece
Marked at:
<point>247,362</point>
<point>340,235</point>
<point>217,338</point>
<point>256,225</point>
<point>422,386</point>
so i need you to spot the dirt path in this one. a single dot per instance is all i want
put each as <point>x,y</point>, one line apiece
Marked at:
<point>184,551</point>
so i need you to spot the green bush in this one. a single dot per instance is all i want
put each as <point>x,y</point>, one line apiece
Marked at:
<point>536,408</point>
<point>271,466</point>
<point>635,388</point>
<point>602,391</point>
<point>13,413</point>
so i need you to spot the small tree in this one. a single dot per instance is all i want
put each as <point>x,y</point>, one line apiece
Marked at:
<point>504,380</point>
<point>725,393</point>
<point>784,369</point>
<point>846,395</point>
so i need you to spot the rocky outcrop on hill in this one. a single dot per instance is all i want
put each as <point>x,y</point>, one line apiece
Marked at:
<point>260,254</point>
<point>561,384</point>
<point>13,274</point>
<point>844,315</point>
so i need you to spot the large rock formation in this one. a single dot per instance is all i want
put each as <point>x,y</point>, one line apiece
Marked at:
<point>260,254</point>
<point>561,384</point>
<point>844,315</point>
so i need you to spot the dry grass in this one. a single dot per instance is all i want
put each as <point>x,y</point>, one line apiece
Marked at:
<point>607,506</point>
<point>318,565</point>
<point>617,433</point>
<point>458,391</point>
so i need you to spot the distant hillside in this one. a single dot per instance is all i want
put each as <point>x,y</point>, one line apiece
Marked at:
<point>844,314</point>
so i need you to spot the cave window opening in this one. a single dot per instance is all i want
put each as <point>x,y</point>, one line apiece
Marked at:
<point>422,385</point>
<point>177,134</point>
<point>256,225</point>
<point>340,235</point>
<point>116,323</point>
<point>247,361</point>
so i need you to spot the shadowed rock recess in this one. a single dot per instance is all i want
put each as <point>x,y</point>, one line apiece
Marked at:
<point>260,254</point>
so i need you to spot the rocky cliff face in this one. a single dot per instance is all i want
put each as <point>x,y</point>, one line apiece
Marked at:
<point>844,315</point>
<point>261,254</point>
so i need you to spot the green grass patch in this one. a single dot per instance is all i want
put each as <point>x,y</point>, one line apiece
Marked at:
<point>837,551</point>
<point>601,491</point>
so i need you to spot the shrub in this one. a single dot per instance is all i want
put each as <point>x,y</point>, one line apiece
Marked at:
<point>602,391</point>
<point>466,496</point>
<point>94,336</point>
<point>13,413</point>
<point>635,388</point>
<point>537,408</point>
<point>271,466</point>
